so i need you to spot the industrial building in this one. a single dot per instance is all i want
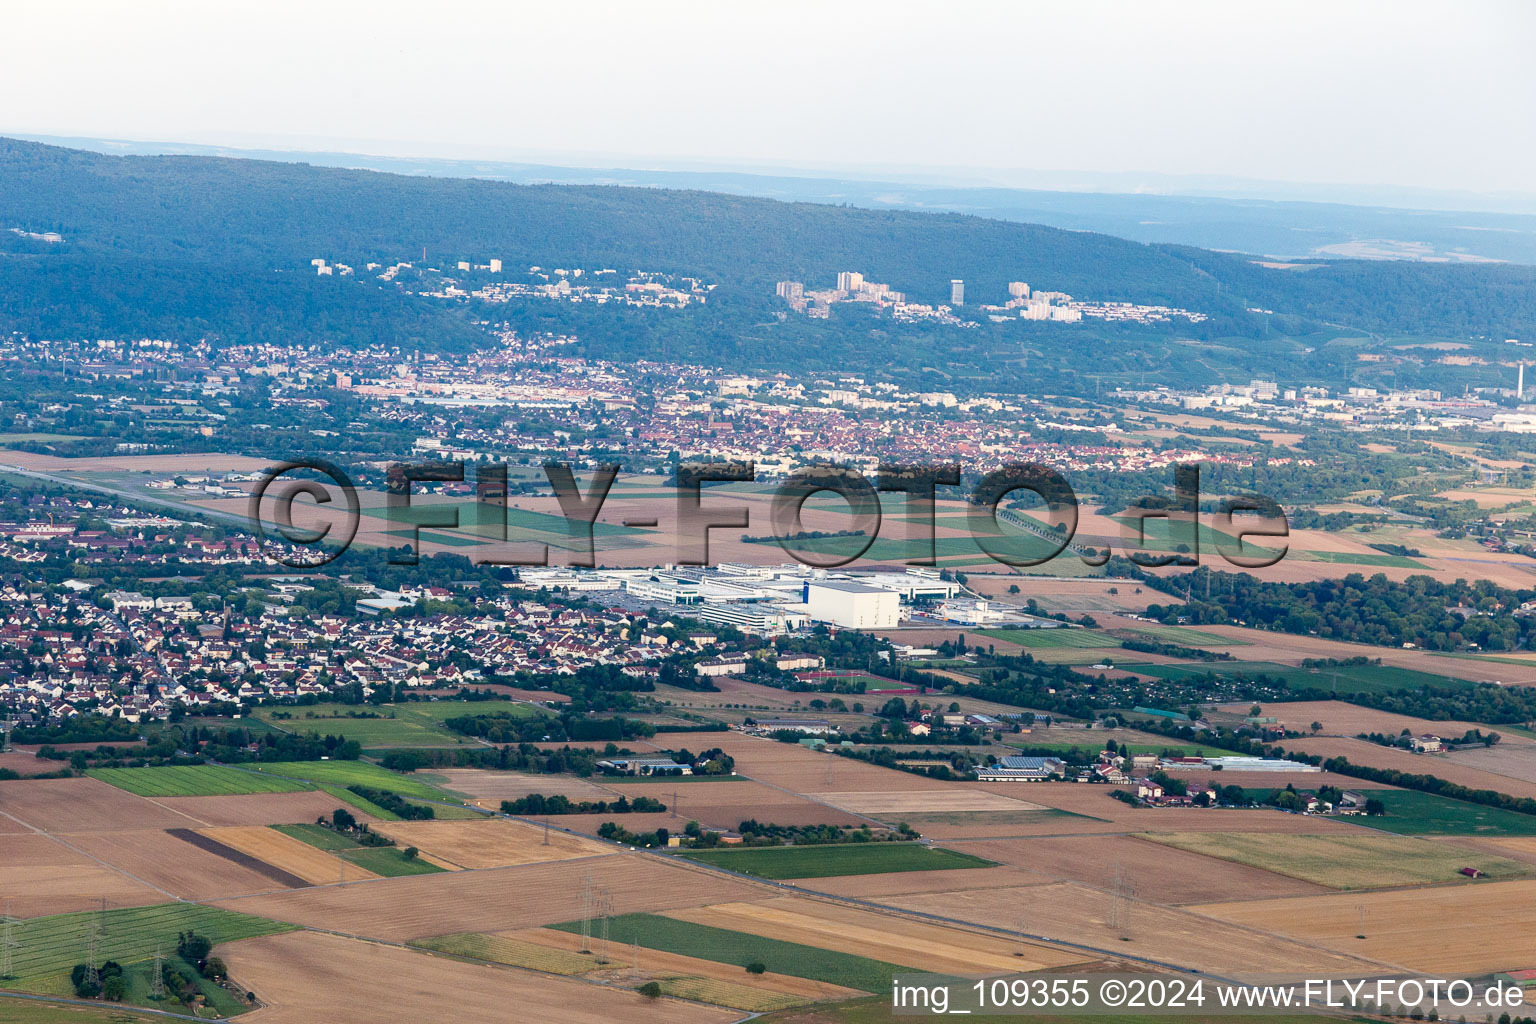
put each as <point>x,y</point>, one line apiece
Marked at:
<point>852,605</point>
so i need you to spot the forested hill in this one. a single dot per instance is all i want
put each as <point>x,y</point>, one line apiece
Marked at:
<point>278,214</point>
<point>220,248</point>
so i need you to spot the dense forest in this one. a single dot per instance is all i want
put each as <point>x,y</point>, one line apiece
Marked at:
<point>201,247</point>
<point>1421,611</point>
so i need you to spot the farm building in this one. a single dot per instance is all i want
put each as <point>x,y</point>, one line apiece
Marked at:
<point>1022,769</point>
<point>811,726</point>
<point>1260,764</point>
<point>645,766</point>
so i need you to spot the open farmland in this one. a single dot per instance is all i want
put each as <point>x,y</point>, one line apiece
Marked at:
<point>256,808</point>
<point>1075,913</point>
<point>389,862</point>
<point>1112,862</point>
<point>879,935</point>
<point>40,875</point>
<point>288,854</point>
<point>192,780</point>
<point>408,724</point>
<point>703,980</point>
<point>351,773</point>
<point>727,945</point>
<point>489,788</point>
<point>1344,862</point>
<point>1378,756</point>
<point>174,866</point>
<point>528,896</point>
<point>341,984</point>
<point>83,805</point>
<point>1045,639</point>
<point>1340,718</point>
<point>48,947</point>
<point>490,842</point>
<point>1346,679</point>
<point>1425,814</point>
<point>1476,928</point>
<point>827,861</point>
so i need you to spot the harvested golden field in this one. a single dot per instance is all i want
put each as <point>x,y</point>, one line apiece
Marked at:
<point>894,803</point>
<point>288,854</point>
<point>489,788</point>
<point>895,883</point>
<point>84,805</point>
<point>489,842</point>
<point>1378,756</point>
<point>1290,649</point>
<point>1463,929</point>
<point>1153,872</point>
<point>1362,861</point>
<point>496,900</point>
<point>1074,596</point>
<point>172,865</point>
<point>1339,718</point>
<point>879,936</point>
<point>192,462</point>
<point>39,875</point>
<point>1511,761</point>
<point>1098,919</point>
<point>348,980</point>
<point>258,808</point>
<point>811,772</point>
<point>654,963</point>
<point>727,804</point>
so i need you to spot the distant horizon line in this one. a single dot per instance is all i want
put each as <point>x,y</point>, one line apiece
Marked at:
<point>1121,183</point>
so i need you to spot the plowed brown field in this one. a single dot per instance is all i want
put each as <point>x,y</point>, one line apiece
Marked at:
<point>348,981</point>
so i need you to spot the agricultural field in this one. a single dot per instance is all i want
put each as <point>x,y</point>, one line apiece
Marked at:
<point>1045,639</point>
<point>1477,928</point>
<point>192,780</point>
<point>740,948</point>
<point>1345,679</point>
<point>1425,814</point>
<point>351,773</point>
<point>529,896</point>
<point>286,853</point>
<point>48,947</point>
<point>409,724</point>
<point>344,975</point>
<point>829,861</point>
<point>1344,862</point>
<point>390,862</point>
<point>490,842</point>
<point>1184,635</point>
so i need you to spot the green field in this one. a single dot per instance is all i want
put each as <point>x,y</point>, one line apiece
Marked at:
<point>1411,813</point>
<point>351,773</point>
<point>411,724</point>
<point>29,1011</point>
<point>389,861</point>
<point>843,859</point>
<point>1045,638</point>
<point>1186,636</point>
<point>1360,558</point>
<point>192,780</point>
<point>347,797</point>
<point>1344,679</point>
<point>318,836</point>
<point>47,948</point>
<point>1361,861</point>
<point>730,947</point>
<point>878,1011</point>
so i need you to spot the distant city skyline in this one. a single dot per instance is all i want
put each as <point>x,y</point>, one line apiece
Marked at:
<point>1407,94</point>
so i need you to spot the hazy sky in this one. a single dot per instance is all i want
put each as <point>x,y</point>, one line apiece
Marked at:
<point>1439,95</point>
